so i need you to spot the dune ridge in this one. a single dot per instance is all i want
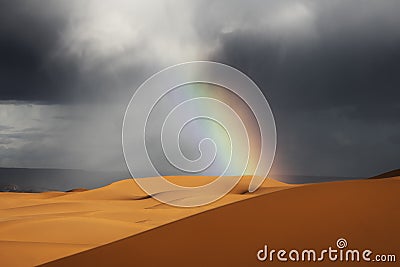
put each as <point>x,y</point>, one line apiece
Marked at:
<point>389,174</point>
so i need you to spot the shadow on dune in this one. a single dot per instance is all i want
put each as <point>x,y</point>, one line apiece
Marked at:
<point>365,212</point>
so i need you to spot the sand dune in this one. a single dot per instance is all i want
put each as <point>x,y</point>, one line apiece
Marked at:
<point>392,173</point>
<point>46,226</point>
<point>364,212</point>
<point>119,225</point>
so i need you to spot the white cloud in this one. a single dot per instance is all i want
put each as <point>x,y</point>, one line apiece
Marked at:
<point>131,32</point>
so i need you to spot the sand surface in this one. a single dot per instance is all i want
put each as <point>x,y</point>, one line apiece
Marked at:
<point>36,228</point>
<point>364,212</point>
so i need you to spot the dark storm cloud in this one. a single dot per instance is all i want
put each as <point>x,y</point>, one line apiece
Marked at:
<point>335,92</point>
<point>360,76</point>
<point>344,65</point>
<point>81,61</point>
<point>328,68</point>
<point>27,36</point>
<point>36,65</point>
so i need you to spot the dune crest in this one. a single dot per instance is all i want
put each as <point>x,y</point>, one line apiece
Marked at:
<point>389,174</point>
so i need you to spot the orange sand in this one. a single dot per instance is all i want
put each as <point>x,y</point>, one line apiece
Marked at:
<point>365,212</point>
<point>38,228</point>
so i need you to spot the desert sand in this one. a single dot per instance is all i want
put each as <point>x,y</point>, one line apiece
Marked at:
<point>40,227</point>
<point>364,212</point>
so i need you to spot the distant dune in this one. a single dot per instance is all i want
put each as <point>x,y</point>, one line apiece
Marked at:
<point>78,190</point>
<point>393,173</point>
<point>39,227</point>
<point>364,212</point>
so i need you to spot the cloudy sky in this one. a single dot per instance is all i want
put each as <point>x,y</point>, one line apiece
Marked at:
<point>330,70</point>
